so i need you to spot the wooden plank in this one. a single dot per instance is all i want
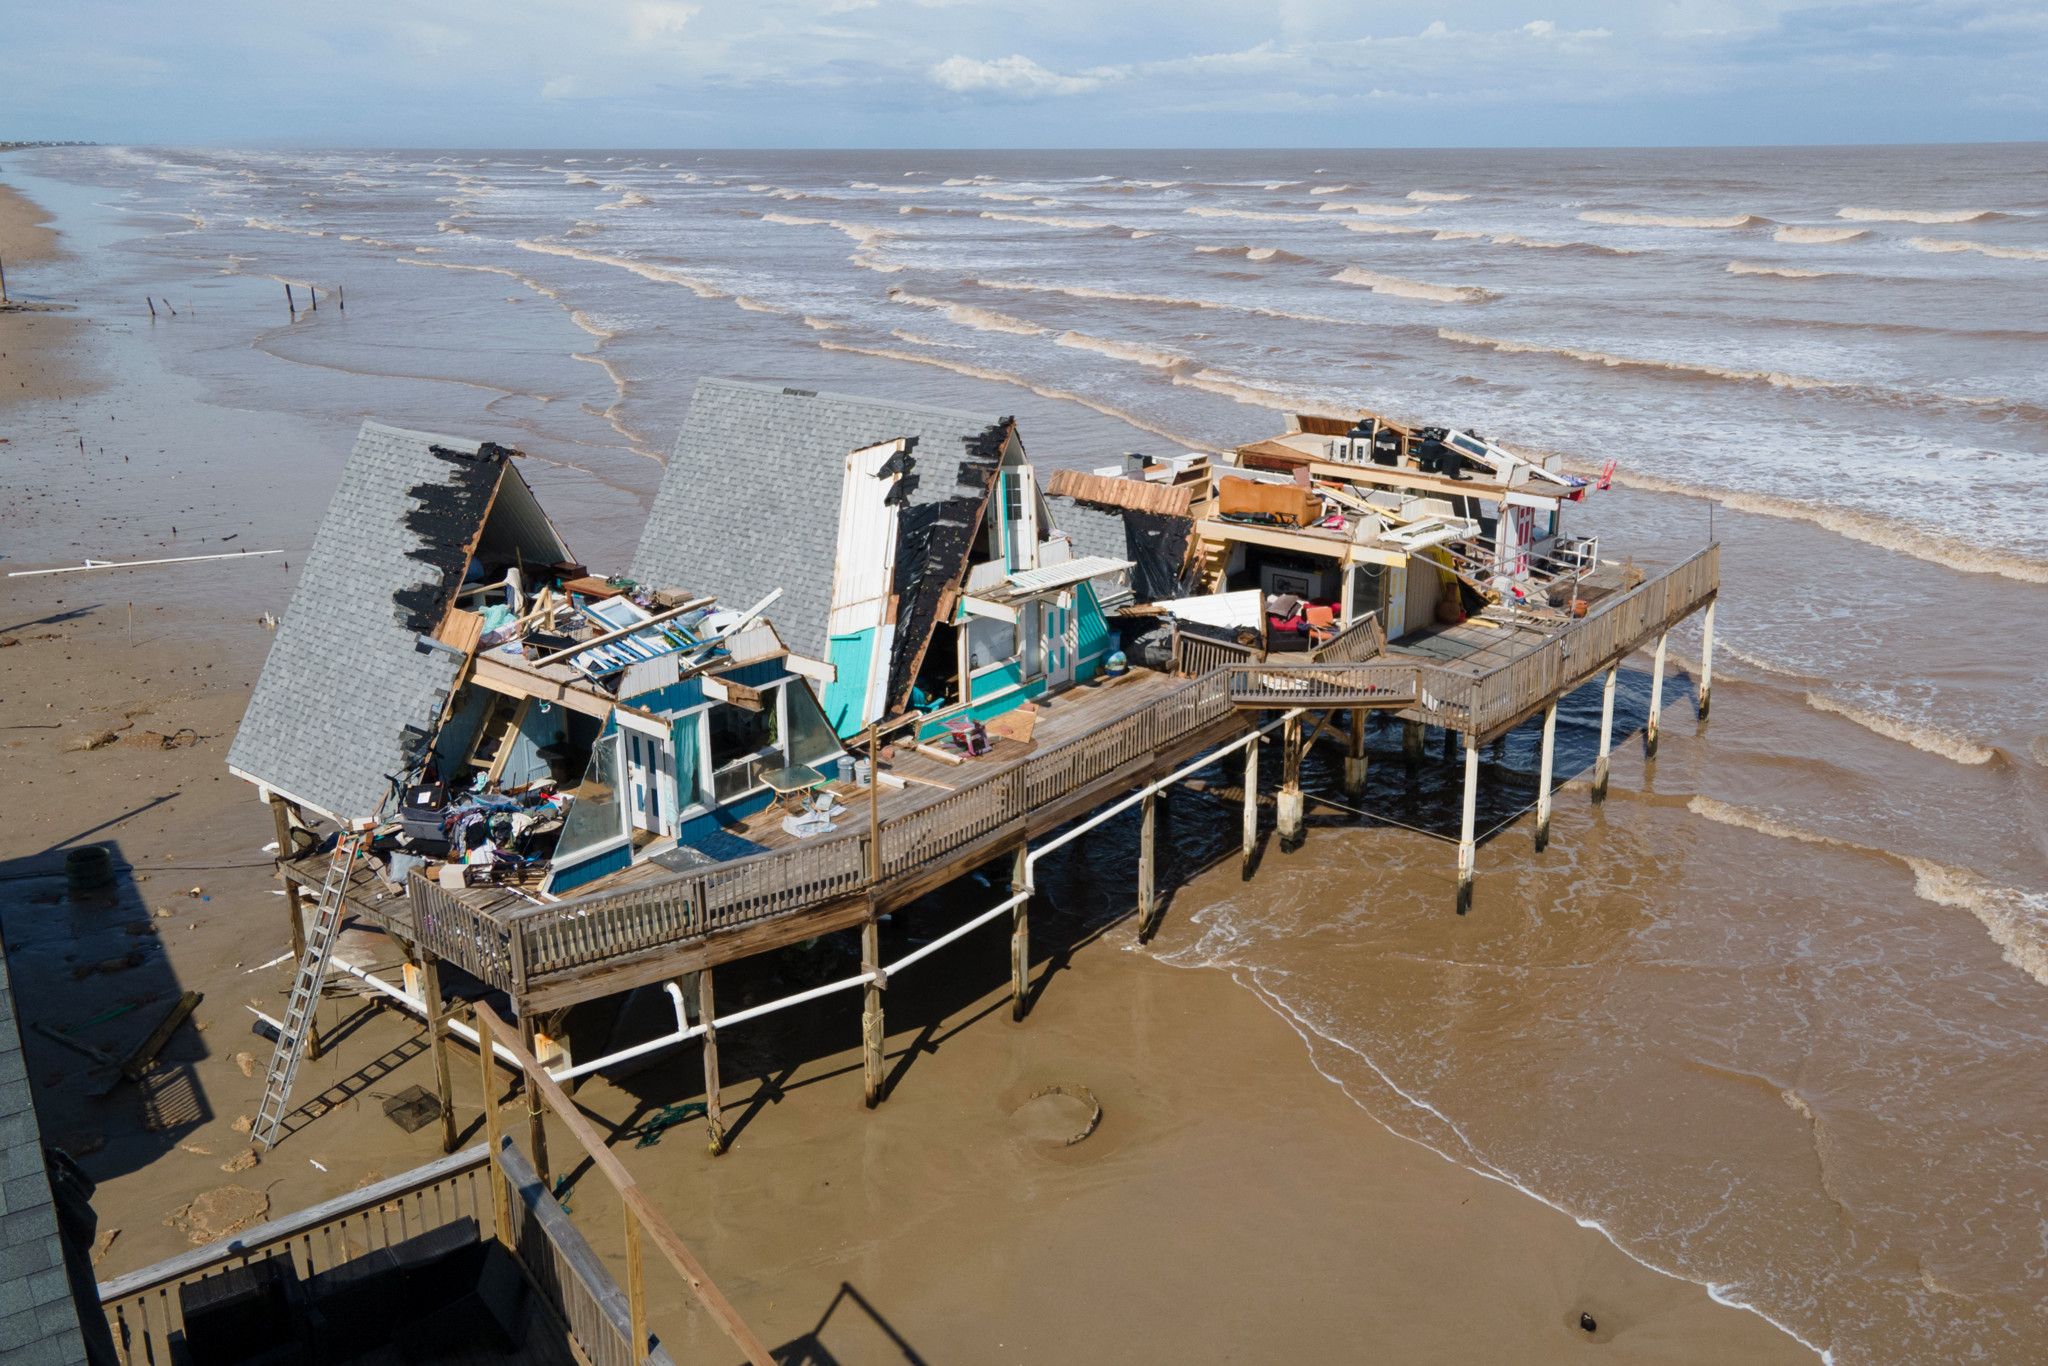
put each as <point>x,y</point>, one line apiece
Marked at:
<point>145,1052</point>
<point>652,1222</point>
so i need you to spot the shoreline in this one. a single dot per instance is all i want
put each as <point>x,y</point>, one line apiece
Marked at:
<point>1165,1110</point>
<point>39,340</point>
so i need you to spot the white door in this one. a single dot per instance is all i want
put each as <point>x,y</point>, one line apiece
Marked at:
<point>1057,646</point>
<point>650,782</point>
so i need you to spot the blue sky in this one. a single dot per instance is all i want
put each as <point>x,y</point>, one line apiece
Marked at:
<point>1100,73</point>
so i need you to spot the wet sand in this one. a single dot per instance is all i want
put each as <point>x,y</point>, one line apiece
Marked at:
<point>1233,1205</point>
<point>39,356</point>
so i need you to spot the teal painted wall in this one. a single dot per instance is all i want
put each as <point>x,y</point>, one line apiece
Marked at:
<point>851,655</point>
<point>1093,637</point>
<point>576,874</point>
<point>982,710</point>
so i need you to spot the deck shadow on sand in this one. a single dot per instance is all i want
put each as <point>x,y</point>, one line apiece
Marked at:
<point>88,964</point>
<point>857,1317</point>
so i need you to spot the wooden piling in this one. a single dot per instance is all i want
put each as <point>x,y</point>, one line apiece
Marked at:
<point>1467,849</point>
<point>871,1031</point>
<point>1411,747</point>
<point>341,298</point>
<point>636,1289</point>
<point>1251,807</point>
<point>294,908</point>
<point>1656,696</point>
<point>1600,764</point>
<point>1020,935</point>
<point>1293,824</point>
<point>1707,657</point>
<point>3,280</point>
<point>1148,865</point>
<point>289,302</point>
<point>152,307</point>
<point>707,1014</point>
<point>437,1043</point>
<point>1543,776</point>
<point>487,1057</point>
<point>1354,758</point>
<point>536,1105</point>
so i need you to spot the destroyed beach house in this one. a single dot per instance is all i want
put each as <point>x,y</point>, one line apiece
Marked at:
<point>574,788</point>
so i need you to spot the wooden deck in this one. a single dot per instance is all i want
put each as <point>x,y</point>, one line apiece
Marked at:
<point>1487,675</point>
<point>1089,745</point>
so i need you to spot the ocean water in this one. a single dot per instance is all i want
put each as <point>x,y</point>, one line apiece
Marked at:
<point>1775,1018</point>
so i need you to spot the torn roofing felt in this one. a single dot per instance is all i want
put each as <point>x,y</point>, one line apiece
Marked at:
<point>750,500</point>
<point>348,692</point>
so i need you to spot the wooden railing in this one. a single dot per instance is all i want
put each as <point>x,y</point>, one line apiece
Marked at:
<point>1362,640</point>
<point>450,928</point>
<point>1195,655</point>
<point>142,1307</point>
<point>567,936</point>
<point>574,934</point>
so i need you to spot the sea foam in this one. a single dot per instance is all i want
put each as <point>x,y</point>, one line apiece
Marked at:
<point>1413,289</point>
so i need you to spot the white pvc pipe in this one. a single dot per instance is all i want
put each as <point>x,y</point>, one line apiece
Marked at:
<point>137,564</point>
<point>684,1031</point>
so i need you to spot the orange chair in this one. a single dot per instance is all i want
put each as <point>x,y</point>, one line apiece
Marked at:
<point>1322,625</point>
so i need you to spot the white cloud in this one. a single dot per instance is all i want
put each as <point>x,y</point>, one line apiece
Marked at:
<point>1539,28</point>
<point>558,88</point>
<point>660,21</point>
<point>1016,76</point>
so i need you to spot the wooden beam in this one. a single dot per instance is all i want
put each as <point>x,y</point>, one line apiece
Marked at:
<point>486,1059</point>
<point>1543,780</point>
<point>1707,657</point>
<point>1251,808</point>
<point>653,1223</point>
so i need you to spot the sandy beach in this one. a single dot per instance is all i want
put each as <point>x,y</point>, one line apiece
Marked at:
<point>1235,1204</point>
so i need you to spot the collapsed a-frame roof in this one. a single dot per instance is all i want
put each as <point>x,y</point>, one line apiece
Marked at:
<point>349,690</point>
<point>750,500</point>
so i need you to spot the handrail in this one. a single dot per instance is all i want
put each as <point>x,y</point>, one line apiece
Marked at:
<point>513,948</point>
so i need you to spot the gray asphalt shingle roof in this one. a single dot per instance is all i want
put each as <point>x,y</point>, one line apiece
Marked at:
<point>750,500</point>
<point>38,1318</point>
<point>346,674</point>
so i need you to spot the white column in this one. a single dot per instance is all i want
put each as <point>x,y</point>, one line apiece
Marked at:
<point>1251,806</point>
<point>1466,846</point>
<point>1543,780</point>
<point>1606,733</point>
<point>1148,864</point>
<point>1656,697</point>
<point>1707,657</point>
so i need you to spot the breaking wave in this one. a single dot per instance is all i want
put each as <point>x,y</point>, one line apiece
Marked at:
<point>531,284</point>
<point>1149,356</point>
<point>1945,244</point>
<point>1818,236</point>
<point>658,274</point>
<point>1750,268</point>
<point>1389,229</point>
<point>1366,209</point>
<point>2017,921</point>
<point>1003,377</point>
<point>266,225</point>
<point>1953,552</point>
<point>967,315</point>
<point>1855,215</point>
<point>631,199</point>
<point>1162,300</point>
<point>1436,197</point>
<point>1414,289</point>
<point>1930,739</point>
<point>1048,220</point>
<point>1256,215</point>
<point>1773,378</point>
<point>1255,254</point>
<point>1660,220</point>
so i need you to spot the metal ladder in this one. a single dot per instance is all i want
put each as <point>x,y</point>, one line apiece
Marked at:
<point>312,975</point>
